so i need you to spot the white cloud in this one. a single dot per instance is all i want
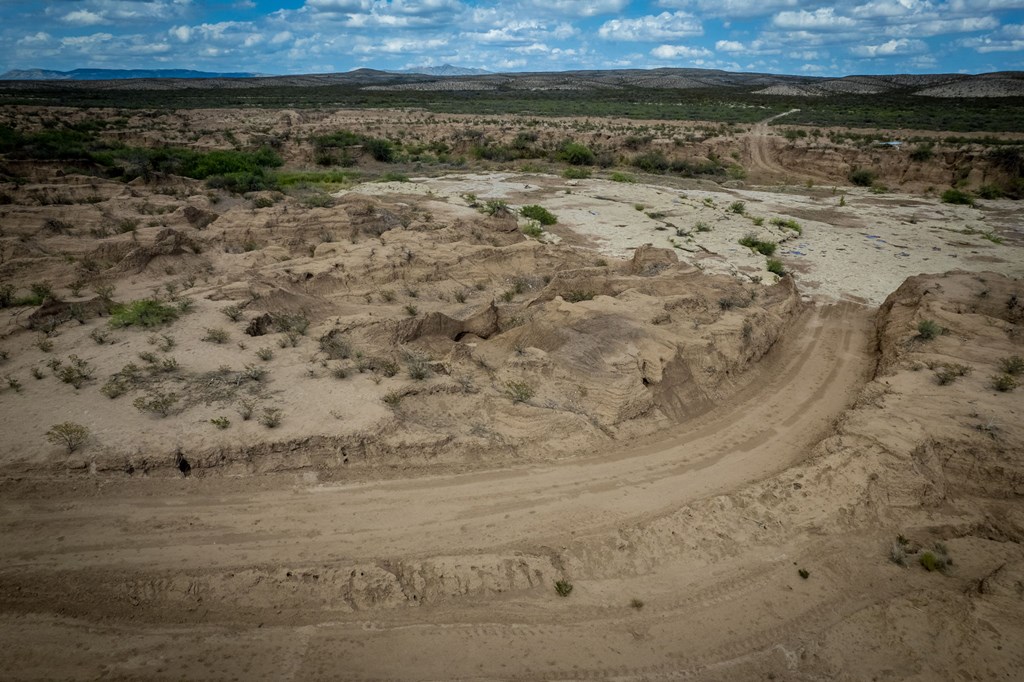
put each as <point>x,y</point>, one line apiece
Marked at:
<point>731,8</point>
<point>578,8</point>
<point>730,46</point>
<point>890,48</point>
<point>665,26</point>
<point>824,19</point>
<point>182,33</point>
<point>82,17</point>
<point>677,51</point>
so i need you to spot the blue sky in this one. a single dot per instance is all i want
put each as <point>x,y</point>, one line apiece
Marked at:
<point>319,36</point>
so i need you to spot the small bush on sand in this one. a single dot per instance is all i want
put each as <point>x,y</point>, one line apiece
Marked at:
<point>956,196</point>
<point>1013,364</point>
<point>762,247</point>
<point>158,403</point>
<point>1004,383</point>
<point>271,417</point>
<point>563,588</point>
<point>519,391</point>
<point>216,335</point>
<point>142,313</point>
<point>539,213</point>
<point>928,330</point>
<point>950,372</point>
<point>774,266</point>
<point>69,434</point>
<point>936,559</point>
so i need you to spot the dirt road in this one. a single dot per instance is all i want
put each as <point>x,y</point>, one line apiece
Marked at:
<point>762,158</point>
<point>313,559</point>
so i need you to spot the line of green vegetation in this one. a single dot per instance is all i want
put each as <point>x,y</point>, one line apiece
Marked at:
<point>895,110</point>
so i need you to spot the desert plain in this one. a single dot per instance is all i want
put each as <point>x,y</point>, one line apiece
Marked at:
<point>432,396</point>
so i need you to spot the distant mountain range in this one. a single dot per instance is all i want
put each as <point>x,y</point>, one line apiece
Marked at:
<point>444,70</point>
<point>448,78</point>
<point>113,74</point>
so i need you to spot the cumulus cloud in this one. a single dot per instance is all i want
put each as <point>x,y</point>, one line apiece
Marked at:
<point>730,46</point>
<point>824,19</point>
<point>676,51</point>
<point>731,8</point>
<point>890,48</point>
<point>665,26</point>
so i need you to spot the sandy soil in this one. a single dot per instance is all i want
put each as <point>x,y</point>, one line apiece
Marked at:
<point>732,475</point>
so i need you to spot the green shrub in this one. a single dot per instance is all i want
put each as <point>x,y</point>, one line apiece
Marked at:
<point>271,417</point>
<point>990,192</point>
<point>221,422</point>
<point>1013,364</point>
<point>622,177</point>
<point>335,346</point>
<point>533,229</point>
<point>950,372</point>
<point>738,207</point>
<point>519,391</point>
<point>539,213</point>
<point>956,196</point>
<point>862,177</point>
<point>563,588</point>
<point>576,295</point>
<point>142,313</point>
<point>788,223</point>
<point>775,266</point>
<point>922,152</point>
<point>495,206</point>
<point>928,330</point>
<point>576,154</point>
<point>762,247</point>
<point>69,434</point>
<point>216,335</point>
<point>158,403</point>
<point>381,150</point>
<point>575,173</point>
<point>1004,382</point>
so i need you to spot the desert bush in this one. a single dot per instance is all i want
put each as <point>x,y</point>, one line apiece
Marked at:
<point>534,229</point>
<point>956,196</point>
<point>774,266</point>
<point>393,398</point>
<point>622,177</point>
<point>292,323</point>
<point>143,313</point>
<point>37,373</point>
<point>100,336</point>
<point>245,408</point>
<point>335,346</point>
<point>701,226</point>
<point>789,224</point>
<point>221,422</point>
<point>576,295</point>
<point>636,603</point>
<point>265,354</point>
<point>388,368</point>
<point>936,559</point>
<point>418,366</point>
<point>215,335</point>
<point>519,391</point>
<point>576,154</point>
<point>928,330</point>
<point>6,295</point>
<point>762,247</point>
<point>271,417</point>
<point>738,207</point>
<point>255,372</point>
<point>69,434</point>
<point>990,192</point>
<point>233,313</point>
<point>1004,382</point>
<point>862,177</point>
<point>563,588</point>
<point>157,402</point>
<point>539,213</point>
<point>576,173</point>
<point>14,384</point>
<point>950,372</point>
<point>44,344</point>
<point>1013,364</point>
<point>289,340</point>
<point>411,310</point>
<point>495,206</point>
<point>76,373</point>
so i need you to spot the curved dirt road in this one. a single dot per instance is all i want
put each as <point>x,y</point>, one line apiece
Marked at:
<point>119,554</point>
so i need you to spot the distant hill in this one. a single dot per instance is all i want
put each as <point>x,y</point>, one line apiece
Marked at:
<point>445,70</point>
<point>113,74</point>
